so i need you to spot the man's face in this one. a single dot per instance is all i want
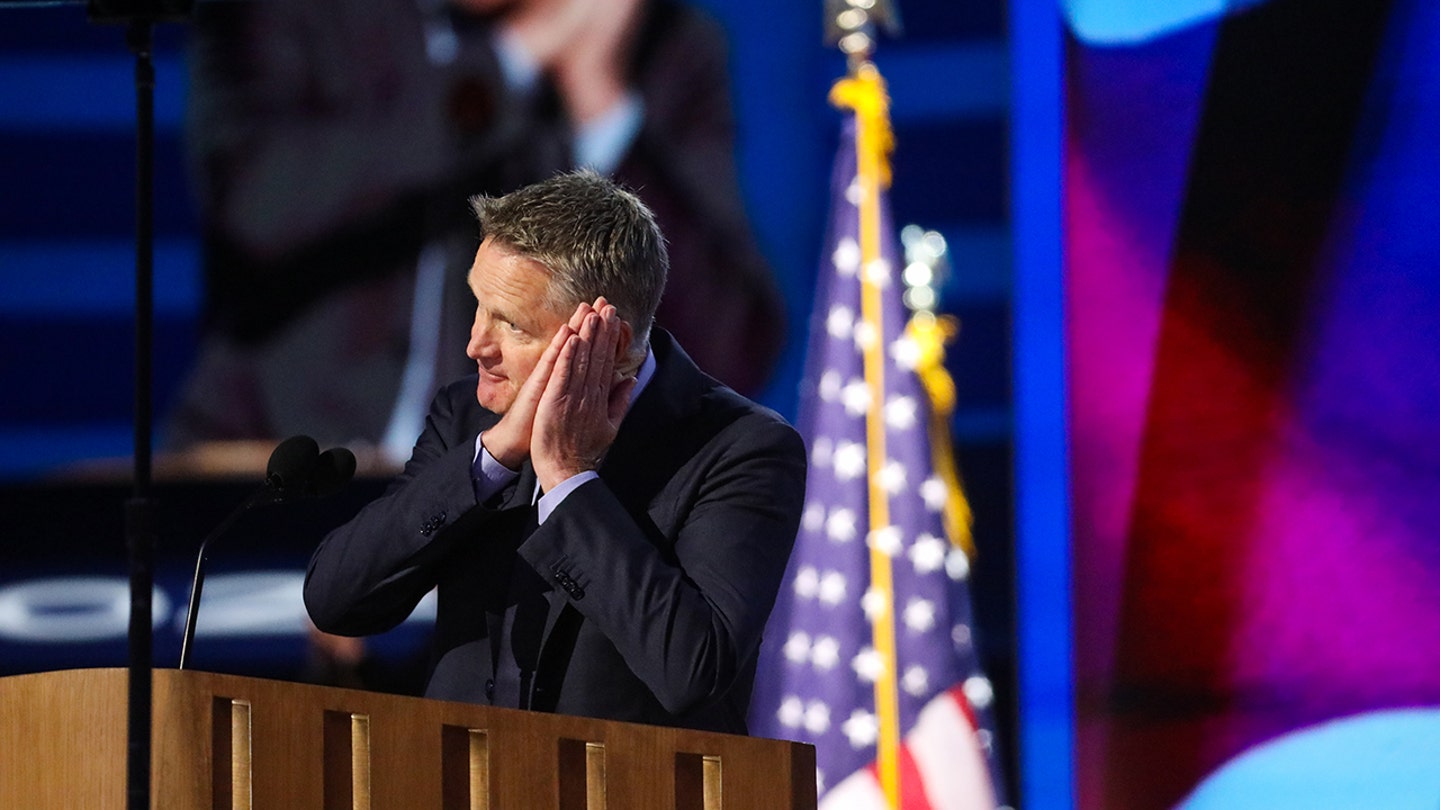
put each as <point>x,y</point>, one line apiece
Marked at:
<point>513,326</point>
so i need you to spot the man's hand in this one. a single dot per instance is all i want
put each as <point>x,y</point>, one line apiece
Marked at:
<point>508,440</point>
<point>582,44</point>
<point>590,73</point>
<point>584,400</point>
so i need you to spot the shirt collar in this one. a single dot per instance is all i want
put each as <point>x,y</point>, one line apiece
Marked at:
<point>643,376</point>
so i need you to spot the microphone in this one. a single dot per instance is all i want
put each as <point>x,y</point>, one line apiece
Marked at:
<point>333,470</point>
<point>297,469</point>
<point>291,469</point>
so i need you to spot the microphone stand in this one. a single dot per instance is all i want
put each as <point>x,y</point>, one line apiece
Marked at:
<point>140,509</point>
<point>198,582</point>
<point>296,470</point>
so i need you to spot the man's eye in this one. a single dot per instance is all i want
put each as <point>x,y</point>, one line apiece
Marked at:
<point>511,327</point>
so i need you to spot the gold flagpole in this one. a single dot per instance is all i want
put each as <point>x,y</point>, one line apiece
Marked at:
<point>851,23</point>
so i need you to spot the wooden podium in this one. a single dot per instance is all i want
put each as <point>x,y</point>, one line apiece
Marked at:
<point>233,742</point>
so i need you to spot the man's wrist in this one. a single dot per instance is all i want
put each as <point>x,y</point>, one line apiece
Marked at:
<point>488,475</point>
<point>550,479</point>
<point>509,460</point>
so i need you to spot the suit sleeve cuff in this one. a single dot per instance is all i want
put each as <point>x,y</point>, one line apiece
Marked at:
<point>556,496</point>
<point>489,475</point>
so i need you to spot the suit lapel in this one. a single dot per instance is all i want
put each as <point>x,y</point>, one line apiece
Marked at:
<point>654,440</point>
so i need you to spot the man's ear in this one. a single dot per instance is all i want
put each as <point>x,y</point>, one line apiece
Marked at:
<point>622,347</point>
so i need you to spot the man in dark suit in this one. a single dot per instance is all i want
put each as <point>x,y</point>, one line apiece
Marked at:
<point>607,526</point>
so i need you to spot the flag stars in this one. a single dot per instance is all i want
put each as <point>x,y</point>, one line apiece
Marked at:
<point>865,336</point>
<point>849,460</point>
<point>875,603</point>
<point>957,565</point>
<point>832,588</point>
<point>846,257</point>
<point>960,634</point>
<point>839,322</point>
<point>927,553</point>
<point>825,653</point>
<point>855,192</point>
<point>919,615</point>
<point>792,712</point>
<point>900,413</point>
<point>986,739</point>
<point>817,717</point>
<point>822,452</point>
<point>856,397</point>
<point>905,352</point>
<point>861,729</point>
<point>879,272</point>
<point>868,665</point>
<point>797,648</point>
<point>892,477</point>
<point>915,681</point>
<point>807,582</point>
<point>829,587</point>
<point>830,385</point>
<point>934,492</point>
<point>978,691</point>
<point>813,518</point>
<point>840,525</point>
<point>887,540</point>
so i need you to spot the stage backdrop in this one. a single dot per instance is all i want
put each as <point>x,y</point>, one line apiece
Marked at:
<point>67,125</point>
<point>1253,323</point>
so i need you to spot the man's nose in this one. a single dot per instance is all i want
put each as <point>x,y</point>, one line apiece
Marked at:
<point>481,344</point>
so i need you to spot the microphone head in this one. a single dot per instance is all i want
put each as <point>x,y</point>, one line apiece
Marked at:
<point>333,470</point>
<point>292,467</point>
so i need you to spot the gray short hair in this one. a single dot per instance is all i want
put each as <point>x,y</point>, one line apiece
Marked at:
<point>594,237</point>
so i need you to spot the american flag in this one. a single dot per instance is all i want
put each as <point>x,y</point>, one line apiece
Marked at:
<point>866,601</point>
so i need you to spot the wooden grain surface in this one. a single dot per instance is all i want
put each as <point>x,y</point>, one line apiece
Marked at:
<point>62,745</point>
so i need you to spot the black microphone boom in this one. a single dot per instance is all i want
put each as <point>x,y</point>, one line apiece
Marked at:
<point>297,469</point>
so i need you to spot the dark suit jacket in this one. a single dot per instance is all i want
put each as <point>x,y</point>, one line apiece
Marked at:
<point>643,595</point>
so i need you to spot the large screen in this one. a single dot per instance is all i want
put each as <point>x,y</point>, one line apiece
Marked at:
<point>1254,386</point>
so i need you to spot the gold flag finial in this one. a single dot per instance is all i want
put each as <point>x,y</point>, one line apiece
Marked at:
<point>851,25</point>
<point>863,92</point>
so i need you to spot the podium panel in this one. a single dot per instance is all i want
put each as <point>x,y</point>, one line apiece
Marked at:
<point>225,741</point>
